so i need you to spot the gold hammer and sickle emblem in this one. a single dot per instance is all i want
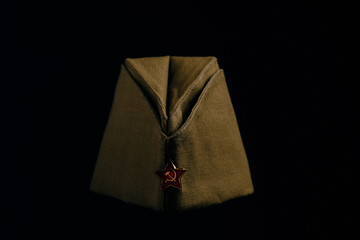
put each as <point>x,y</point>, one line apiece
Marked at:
<point>171,178</point>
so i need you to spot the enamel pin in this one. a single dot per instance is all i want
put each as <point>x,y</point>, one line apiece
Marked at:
<point>170,176</point>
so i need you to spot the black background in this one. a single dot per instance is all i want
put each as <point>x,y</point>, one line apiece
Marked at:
<point>291,69</point>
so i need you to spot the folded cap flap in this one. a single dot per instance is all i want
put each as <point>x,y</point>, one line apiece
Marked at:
<point>188,78</point>
<point>168,81</point>
<point>151,73</point>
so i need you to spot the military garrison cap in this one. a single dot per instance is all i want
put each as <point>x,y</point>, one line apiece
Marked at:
<point>172,140</point>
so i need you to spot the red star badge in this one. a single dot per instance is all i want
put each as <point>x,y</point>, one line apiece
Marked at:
<point>170,176</point>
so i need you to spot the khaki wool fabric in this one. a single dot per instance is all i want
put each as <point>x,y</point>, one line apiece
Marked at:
<point>177,108</point>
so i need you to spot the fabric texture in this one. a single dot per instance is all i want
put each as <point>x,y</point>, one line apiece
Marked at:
<point>177,108</point>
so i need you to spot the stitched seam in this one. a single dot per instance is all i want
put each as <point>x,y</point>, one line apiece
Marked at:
<point>192,86</point>
<point>193,111</point>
